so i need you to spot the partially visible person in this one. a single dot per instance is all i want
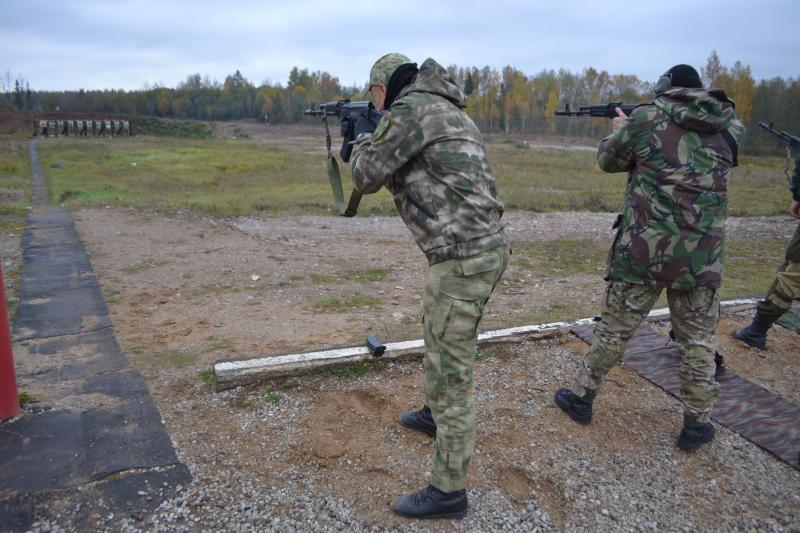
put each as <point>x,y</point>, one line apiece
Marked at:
<point>786,286</point>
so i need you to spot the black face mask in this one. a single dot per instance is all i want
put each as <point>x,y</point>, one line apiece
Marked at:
<point>401,77</point>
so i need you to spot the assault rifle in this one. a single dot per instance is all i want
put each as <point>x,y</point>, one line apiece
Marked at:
<point>792,141</point>
<point>600,110</point>
<point>347,113</point>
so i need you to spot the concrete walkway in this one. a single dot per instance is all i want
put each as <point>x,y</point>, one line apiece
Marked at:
<point>97,443</point>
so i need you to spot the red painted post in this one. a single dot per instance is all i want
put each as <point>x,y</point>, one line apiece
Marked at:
<point>9,400</point>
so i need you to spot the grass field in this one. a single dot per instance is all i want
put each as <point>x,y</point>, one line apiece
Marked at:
<point>15,179</point>
<point>15,196</point>
<point>286,175</point>
<point>749,267</point>
<point>240,177</point>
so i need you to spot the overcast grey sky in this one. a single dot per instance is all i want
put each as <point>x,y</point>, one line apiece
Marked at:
<point>96,44</point>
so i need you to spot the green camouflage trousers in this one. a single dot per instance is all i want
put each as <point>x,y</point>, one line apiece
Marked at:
<point>786,286</point>
<point>455,294</point>
<point>694,315</point>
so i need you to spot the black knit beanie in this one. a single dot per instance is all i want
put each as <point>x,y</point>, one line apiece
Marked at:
<point>684,76</point>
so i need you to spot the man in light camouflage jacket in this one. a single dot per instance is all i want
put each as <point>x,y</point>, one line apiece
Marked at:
<point>678,151</point>
<point>430,155</point>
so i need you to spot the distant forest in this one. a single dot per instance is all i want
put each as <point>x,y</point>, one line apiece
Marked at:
<point>507,101</point>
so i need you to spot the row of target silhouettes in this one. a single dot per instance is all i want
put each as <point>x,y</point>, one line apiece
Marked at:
<point>80,128</point>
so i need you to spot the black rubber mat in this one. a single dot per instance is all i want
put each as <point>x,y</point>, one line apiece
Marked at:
<point>105,447</point>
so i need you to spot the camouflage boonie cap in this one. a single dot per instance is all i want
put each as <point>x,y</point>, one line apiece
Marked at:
<point>383,68</point>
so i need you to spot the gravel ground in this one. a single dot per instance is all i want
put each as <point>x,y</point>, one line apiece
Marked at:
<point>279,462</point>
<point>325,453</point>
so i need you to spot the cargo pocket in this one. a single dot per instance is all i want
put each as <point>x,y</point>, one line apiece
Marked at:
<point>466,300</point>
<point>454,452</point>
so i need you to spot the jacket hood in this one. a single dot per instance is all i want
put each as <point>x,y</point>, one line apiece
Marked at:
<point>701,110</point>
<point>433,78</point>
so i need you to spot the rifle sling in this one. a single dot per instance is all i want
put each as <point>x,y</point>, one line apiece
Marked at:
<point>732,145</point>
<point>335,179</point>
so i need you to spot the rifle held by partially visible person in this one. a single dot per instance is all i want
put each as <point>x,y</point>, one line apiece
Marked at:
<point>599,110</point>
<point>792,141</point>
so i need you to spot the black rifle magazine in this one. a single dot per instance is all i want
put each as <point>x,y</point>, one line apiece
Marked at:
<point>375,346</point>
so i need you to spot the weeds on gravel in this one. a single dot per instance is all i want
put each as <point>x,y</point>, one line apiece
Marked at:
<point>25,398</point>
<point>218,343</point>
<point>243,402</point>
<point>288,384</point>
<point>341,303</point>
<point>272,397</point>
<point>144,265</point>
<point>353,369</point>
<point>112,296</point>
<point>174,358</point>
<point>359,276</point>
<point>206,376</point>
<point>321,278</point>
<point>481,356</point>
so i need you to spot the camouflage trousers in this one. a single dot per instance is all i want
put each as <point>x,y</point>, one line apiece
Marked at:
<point>694,315</point>
<point>455,294</point>
<point>786,286</point>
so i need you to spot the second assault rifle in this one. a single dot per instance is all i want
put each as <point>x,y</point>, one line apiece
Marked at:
<point>792,141</point>
<point>601,110</point>
<point>347,113</point>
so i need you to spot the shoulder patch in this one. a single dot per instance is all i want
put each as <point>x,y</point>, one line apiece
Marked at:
<point>384,125</point>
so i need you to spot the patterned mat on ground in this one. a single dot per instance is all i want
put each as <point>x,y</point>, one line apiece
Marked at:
<point>758,415</point>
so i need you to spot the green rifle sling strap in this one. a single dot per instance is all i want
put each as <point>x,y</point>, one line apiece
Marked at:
<point>788,163</point>
<point>335,178</point>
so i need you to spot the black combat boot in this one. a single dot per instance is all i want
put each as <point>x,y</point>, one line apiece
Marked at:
<point>431,502</point>
<point>755,334</point>
<point>720,363</point>
<point>578,409</point>
<point>693,436</point>
<point>421,420</point>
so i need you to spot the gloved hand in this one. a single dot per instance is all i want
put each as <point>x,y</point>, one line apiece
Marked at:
<point>365,125</point>
<point>346,128</point>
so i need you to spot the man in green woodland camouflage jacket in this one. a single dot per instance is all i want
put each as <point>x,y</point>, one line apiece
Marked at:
<point>678,151</point>
<point>786,286</point>
<point>430,155</point>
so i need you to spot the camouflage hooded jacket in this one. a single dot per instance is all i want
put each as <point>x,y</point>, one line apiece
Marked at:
<point>430,155</point>
<point>671,231</point>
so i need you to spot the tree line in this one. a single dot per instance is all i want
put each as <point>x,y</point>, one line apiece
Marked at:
<point>500,101</point>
